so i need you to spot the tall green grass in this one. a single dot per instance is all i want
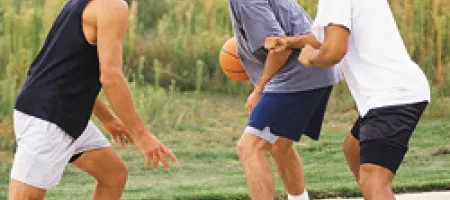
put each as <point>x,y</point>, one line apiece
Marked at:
<point>193,30</point>
<point>173,45</point>
<point>179,34</point>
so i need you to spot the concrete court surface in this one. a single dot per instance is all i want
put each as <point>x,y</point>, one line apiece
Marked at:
<point>445,195</point>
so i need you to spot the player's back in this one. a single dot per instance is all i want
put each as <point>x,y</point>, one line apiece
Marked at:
<point>63,81</point>
<point>254,21</point>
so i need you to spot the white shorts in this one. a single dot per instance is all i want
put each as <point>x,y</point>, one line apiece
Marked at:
<point>44,149</point>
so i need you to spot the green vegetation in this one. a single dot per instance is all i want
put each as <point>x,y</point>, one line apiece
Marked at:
<point>171,61</point>
<point>178,35</point>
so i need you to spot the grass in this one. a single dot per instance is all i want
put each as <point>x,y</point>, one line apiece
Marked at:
<point>209,169</point>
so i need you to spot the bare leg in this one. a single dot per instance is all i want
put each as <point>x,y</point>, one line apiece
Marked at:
<point>108,169</point>
<point>351,151</point>
<point>289,165</point>
<point>376,182</point>
<point>252,152</point>
<point>21,191</point>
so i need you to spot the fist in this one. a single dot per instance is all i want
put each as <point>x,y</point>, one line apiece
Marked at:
<point>305,56</point>
<point>275,43</point>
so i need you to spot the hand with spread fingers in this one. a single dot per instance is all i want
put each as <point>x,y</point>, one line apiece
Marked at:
<point>117,130</point>
<point>154,151</point>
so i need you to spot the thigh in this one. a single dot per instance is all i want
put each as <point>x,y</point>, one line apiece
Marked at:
<point>385,133</point>
<point>290,115</point>
<point>315,123</point>
<point>91,139</point>
<point>375,175</point>
<point>22,191</point>
<point>43,151</point>
<point>282,146</point>
<point>249,143</point>
<point>395,123</point>
<point>382,153</point>
<point>103,164</point>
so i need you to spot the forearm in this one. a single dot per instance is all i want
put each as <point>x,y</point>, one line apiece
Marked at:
<point>324,58</point>
<point>334,47</point>
<point>119,96</point>
<point>274,62</point>
<point>298,42</point>
<point>101,111</point>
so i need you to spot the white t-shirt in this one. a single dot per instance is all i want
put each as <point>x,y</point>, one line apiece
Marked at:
<point>377,67</point>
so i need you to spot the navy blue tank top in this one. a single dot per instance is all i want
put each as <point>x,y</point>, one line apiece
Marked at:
<point>64,79</point>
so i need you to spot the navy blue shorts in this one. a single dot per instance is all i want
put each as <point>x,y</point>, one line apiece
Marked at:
<point>290,115</point>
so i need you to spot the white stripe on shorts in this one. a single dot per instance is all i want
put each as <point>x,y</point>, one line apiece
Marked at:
<point>264,134</point>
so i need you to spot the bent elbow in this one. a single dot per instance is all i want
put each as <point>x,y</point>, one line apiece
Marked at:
<point>332,59</point>
<point>333,54</point>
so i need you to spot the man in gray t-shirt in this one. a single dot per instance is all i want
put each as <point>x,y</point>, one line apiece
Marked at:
<point>288,101</point>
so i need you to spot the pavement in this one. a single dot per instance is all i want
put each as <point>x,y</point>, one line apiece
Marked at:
<point>444,195</point>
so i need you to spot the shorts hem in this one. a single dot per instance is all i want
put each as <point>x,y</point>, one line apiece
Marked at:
<point>33,184</point>
<point>264,134</point>
<point>380,153</point>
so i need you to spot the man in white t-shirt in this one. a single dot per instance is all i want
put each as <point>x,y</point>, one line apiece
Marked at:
<point>390,90</point>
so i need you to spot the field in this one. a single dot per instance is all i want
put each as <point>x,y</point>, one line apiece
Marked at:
<point>209,168</point>
<point>170,60</point>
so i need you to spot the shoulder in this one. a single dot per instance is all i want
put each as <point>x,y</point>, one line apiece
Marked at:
<point>117,8</point>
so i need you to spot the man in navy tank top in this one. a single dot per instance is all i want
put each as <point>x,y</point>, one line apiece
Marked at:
<point>82,54</point>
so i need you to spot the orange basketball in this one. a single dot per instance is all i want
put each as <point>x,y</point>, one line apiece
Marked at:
<point>231,64</point>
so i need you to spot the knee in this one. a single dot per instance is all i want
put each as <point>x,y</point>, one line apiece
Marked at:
<point>243,149</point>
<point>240,148</point>
<point>368,188</point>
<point>249,145</point>
<point>279,149</point>
<point>374,180</point>
<point>364,185</point>
<point>122,173</point>
<point>118,177</point>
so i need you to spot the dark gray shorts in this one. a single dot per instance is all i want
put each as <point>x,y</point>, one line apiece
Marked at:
<point>384,133</point>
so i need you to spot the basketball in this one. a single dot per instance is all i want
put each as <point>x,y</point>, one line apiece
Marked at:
<point>231,64</point>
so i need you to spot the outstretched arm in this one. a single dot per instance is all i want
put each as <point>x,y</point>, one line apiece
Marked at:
<point>291,42</point>
<point>111,124</point>
<point>327,54</point>
<point>112,23</point>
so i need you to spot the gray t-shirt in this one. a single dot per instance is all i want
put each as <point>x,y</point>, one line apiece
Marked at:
<point>254,21</point>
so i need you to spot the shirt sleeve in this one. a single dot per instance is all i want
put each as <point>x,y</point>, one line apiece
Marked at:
<point>259,22</point>
<point>337,12</point>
